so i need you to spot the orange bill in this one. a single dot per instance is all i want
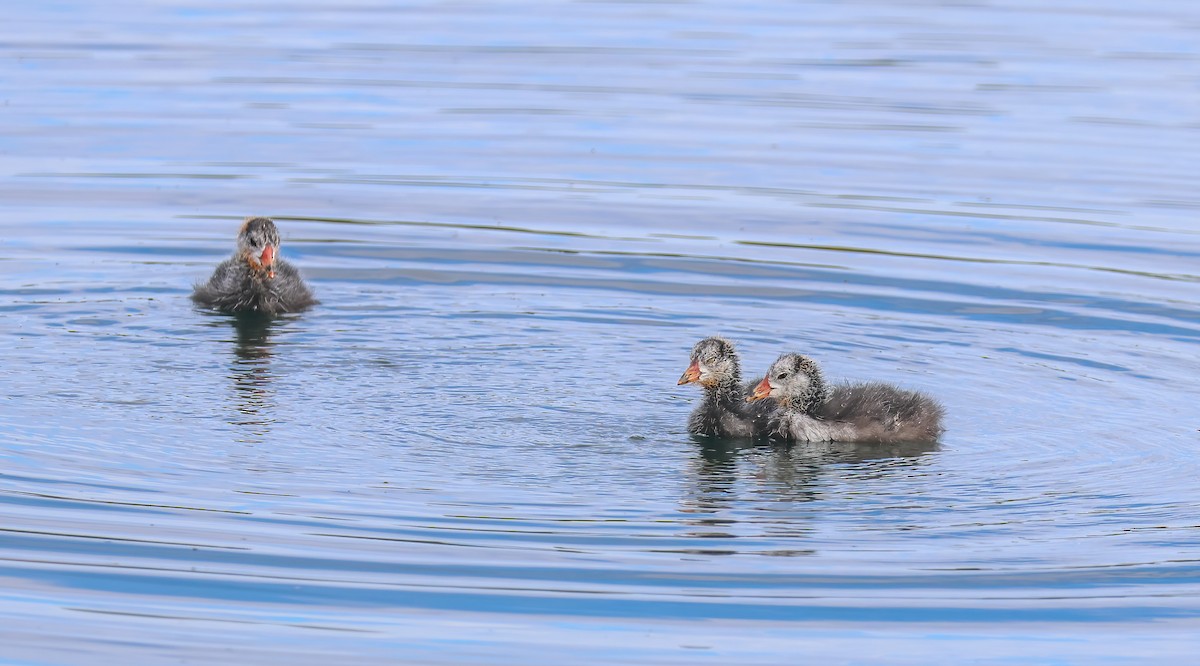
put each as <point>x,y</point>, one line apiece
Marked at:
<point>692,374</point>
<point>268,260</point>
<point>762,390</point>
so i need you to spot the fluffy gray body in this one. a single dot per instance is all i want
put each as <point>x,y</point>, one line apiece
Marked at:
<point>873,412</point>
<point>236,287</point>
<point>255,279</point>
<point>723,411</point>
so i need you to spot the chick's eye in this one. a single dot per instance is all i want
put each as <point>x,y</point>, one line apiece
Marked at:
<point>783,375</point>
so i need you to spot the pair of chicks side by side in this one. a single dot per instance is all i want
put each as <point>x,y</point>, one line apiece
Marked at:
<point>794,402</point>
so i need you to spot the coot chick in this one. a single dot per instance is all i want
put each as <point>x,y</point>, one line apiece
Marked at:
<point>724,411</point>
<point>255,278</point>
<point>811,410</point>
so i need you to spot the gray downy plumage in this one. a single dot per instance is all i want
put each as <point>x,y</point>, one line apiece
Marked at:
<point>875,412</point>
<point>253,279</point>
<point>723,411</point>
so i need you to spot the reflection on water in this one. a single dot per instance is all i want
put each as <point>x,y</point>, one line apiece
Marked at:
<point>713,490</point>
<point>251,374</point>
<point>777,479</point>
<point>252,399</point>
<point>789,470</point>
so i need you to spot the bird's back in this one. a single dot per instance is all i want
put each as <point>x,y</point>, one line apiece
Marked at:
<point>882,412</point>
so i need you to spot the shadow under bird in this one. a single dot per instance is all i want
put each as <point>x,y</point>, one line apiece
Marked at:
<point>255,278</point>
<point>811,410</point>
<point>724,410</point>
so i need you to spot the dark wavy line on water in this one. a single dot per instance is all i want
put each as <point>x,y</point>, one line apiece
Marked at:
<point>454,225</point>
<point>219,587</point>
<point>837,287</point>
<point>986,294</point>
<point>1029,311</point>
<point>850,249</point>
<point>1053,582</point>
<point>627,262</point>
<point>989,260</point>
<point>812,198</point>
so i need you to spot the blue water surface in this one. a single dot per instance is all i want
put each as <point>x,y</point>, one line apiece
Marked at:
<point>519,216</point>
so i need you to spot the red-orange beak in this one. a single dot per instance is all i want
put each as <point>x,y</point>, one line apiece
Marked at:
<point>762,390</point>
<point>268,260</point>
<point>692,374</point>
